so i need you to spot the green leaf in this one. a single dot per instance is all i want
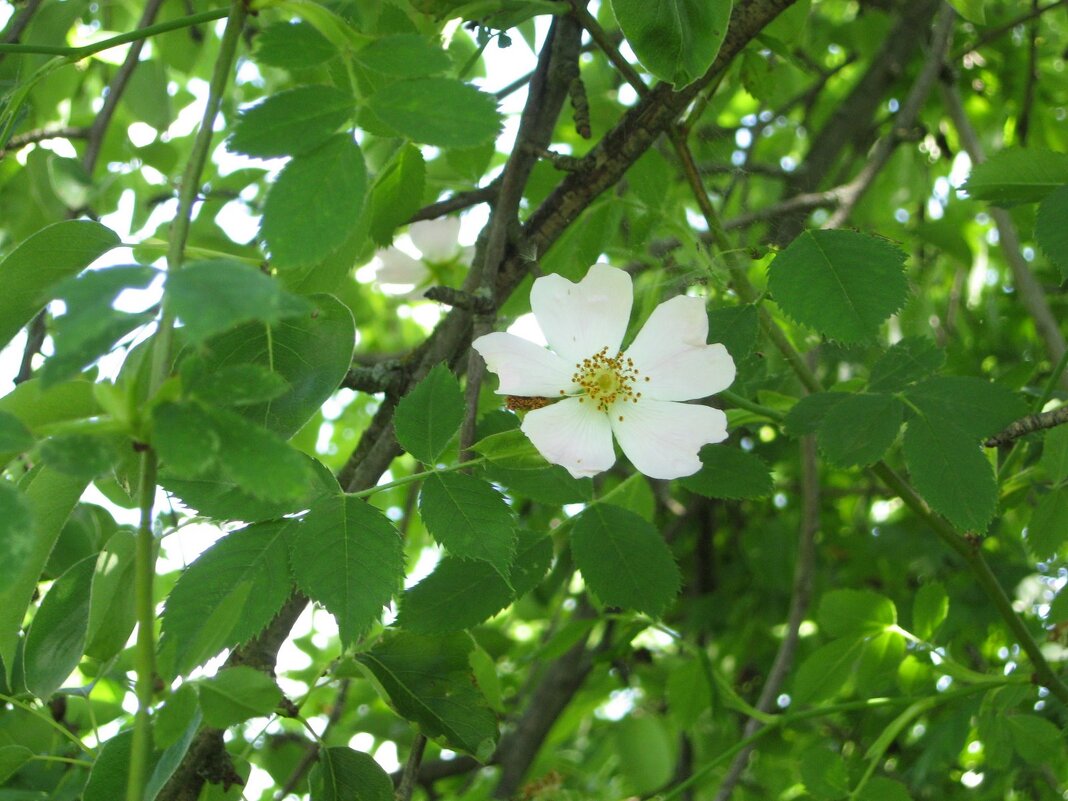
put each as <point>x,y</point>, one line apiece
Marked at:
<point>210,297</point>
<point>312,353</point>
<point>405,55</point>
<point>347,556</point>
<point>824,773</point>
<point>645,752</point>
<point>36,405</point>
<point>469,518</point>
<point>429,681</point>
<point>880,788</point>
<point>971,10</point>
<point>978,407</point>
<point>688,693</point>
<point>90,327</point>
<point>1048,531</point>
<point>184,437</point>
<point>112,614</point>
<point>109,774</point>
<point>806,416</point>
<point>80,455</point>
<point>257,460</point>
<point>232,385</point>
<point>551,485</point>
<point>624,560</point>
<point>342,774</point>
<point>728,472</point>
<point>174,716</point>
<point>842,283</point>
<point>855,613</point>
<point>429,416</point>
<point>251,563</point>
<point>676,40</point>
<point>1054,459</point>
<point>236,694</point>
<point>512,450</point>
<point>14,436</point>
<point>1018,176</point>
<point>315,204</point>
<point>438,111</point>
<point>735,327</point>
<point>146,94</point>
<point>29,528</point>
<point>13,757</point>
<point>56,638</point>
<point>31,272</point>
<point>462,593</point>
<point>1038,741</point>
<point>1051,228</point>
<point>291,122</point>
<point>951,472</point>
<point>908,361</point>
<point>826,670</point>
<point>860,429</point>
<point>879,661</point>
<point>929,610</point>
<point>293,46</point>
<point>397,193</point>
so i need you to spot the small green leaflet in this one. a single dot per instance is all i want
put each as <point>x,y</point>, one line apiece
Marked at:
<point>56,638</point>
<point>1018,176</point>
<point>826,670</point>
<point>806,416</point>
<point>950,471</point>
<point>1048,530</point>
<point>842,283</point>
<point>30,273</point>
<point>511,449</point>
<point>111,610</point>
<point>315,204</point>
<point>624,560</point>
<point>676,40</point>
<point>909,360</point>
<point>342,774</point>
<point>257,460</point>
<point>929,610</point>
<point>728,472</point>
<point>1054,461</point>
<point>247,569</point>
<point>13,757</point>
<point>291,122</point>
<point>14,436</point>
<point>470,518</point>
<point>978,407</point>
<point>1051,228</point>
<point>429,681</point>
<point>860,429</point>
<point>213,296</point>
<point>428,417</point>
<point>292,46</point>
<point>346,555</point>
<point>438,111</point>
<point>397,193</point>
<point>735,327</point>
<point>404,55</point>
<point>236,694</point>
<point>971,10</point>
<point>645,751</point>
<point>858,613</point>
<point>824,773</point>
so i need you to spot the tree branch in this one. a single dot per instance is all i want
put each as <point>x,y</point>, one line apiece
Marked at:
<point>1028,425</point>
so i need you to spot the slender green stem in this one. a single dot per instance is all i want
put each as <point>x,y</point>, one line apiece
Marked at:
<point>162,246</point>
<point>400,482</point>
<point>141,748</point>
<point>741,402</point>
<point>78,53</point>
<point>63,730</point>
<point>84,763</point>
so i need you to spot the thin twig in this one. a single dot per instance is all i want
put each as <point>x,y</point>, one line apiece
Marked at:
<point>32,137</point>
<point>1028,425</point>
<point>458,202</point>
<point>411,769</point>
<point>994,33</point>
<point>1023,118</point>
<point>608,47</point>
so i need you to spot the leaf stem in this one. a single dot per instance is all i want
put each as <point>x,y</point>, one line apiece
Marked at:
<point>78,53</point>
<point>741,402</point>
<point>7,699</point>
<point>400,482</point>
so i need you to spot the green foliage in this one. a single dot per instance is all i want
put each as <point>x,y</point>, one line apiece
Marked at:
<point>429,416</point>
<point>235,695</point>
<point>1050,229</point>
<point>342,774</point>
<point>1018,176</point>
<point>469,518</point>
<point>677,40</point>
<point>729,473</point>
<point>438,111</point>
<point>291,123</point>
<point>56,640</point>
<point>841,283</point>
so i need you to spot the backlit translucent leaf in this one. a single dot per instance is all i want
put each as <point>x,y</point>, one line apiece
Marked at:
<point>950,472</point>
<point>315,204</point>
<point>1038,741</point>
<point>256,556</point>
<point>676,40</point>
<point>438,111</point>
<point>624,559</point>
<point>645,751</point>
<point>470,518</point>
<point>1051,228</point>
<point>56,638</point>
<point>729,472</point>
<point>824,773</point>
<point>842,283</point>
<point>397,193</point>
<point>1018,176</point>
<point>291,122</point>
<point>211,296</point>
<point>429,681</point>
<point>111,611</point>
<point>860,429</point>
<point>30,273</point>
<point>236,694</point>
<point>929,609</point>
<point>347,556</point>
<point>826,670</point>
<point>429,416</point>
<point>858,613</point>
<point>342,774</point>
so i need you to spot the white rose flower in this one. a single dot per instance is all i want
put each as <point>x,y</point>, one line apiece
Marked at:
<point>436,241</point>
<point>600,390</point>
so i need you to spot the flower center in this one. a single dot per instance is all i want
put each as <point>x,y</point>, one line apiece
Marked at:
<point>606,379</point>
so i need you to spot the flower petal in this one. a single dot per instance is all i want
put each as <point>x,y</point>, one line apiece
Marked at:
<point>671,352</point>
<point>436,239</point>
<point>580,319</point>
<point>662,438</point>
<point>397,267</point>
<point>524,368</point>
<point>574,434</point>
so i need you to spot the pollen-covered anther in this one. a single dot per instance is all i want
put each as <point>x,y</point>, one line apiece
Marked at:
<point>606,379</point>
